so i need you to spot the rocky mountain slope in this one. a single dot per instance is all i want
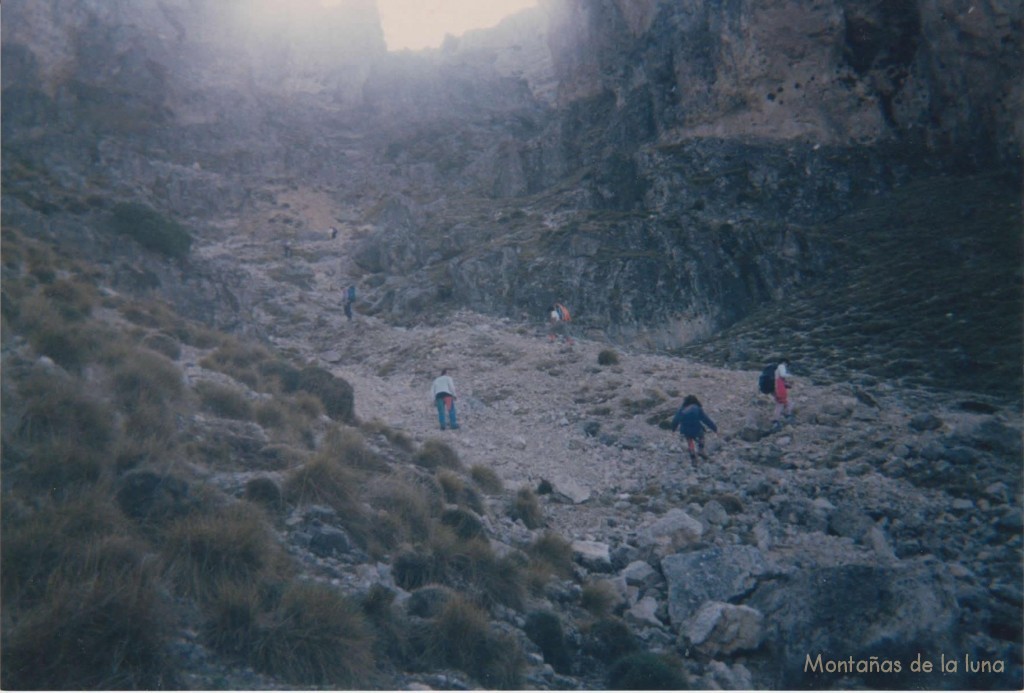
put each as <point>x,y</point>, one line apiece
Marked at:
<point>242,470</point>
<point>881,524</point>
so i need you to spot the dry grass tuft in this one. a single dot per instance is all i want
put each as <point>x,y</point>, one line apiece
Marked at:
<point>598,597</point>
<point>553,552</point>
<point>487,479</point>
<point>102,624</point>
<point>229,545</point>
<point>224,401</point>
<point>526,508</point>
<point>315,637</point>
<point>461,637</point>
<point>435,454</point>
<point>396,437</point>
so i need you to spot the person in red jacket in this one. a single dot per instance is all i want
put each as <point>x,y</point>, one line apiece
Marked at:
<point>782,404</point>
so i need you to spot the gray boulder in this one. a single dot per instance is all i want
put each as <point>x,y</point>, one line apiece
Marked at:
<point>859,611</point>
<point>715,574</point>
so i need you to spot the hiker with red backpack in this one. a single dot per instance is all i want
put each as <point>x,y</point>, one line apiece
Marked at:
<point>775,381</point>
<point>691,422</point>
<point>558,323</point>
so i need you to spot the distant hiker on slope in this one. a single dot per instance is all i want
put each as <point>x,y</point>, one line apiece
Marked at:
<point>691,420</point>
<point>443,391</point>
<point>558,323</point>
<point>782,403</point>
<point>350,298</point>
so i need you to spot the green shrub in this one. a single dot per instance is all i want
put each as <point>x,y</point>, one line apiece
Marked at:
<point>335,393</point>
<point>34,545</point>
<point>151,229</point>
<point>264,491</point>
<point>609,639</point>
<point>164,344</point>
<point>70,347</point>
<point>645,671</point>
<point>545,629</point>
<point>73,300</point>
<point>224,401</point>
<point>465,524</point>
<point>243,362</point>
<point>396,437</point>
<point>598,597</point>
<point>403,508</point>
<point>316,637</point>
<point>229,545</point>
<point>461,637</point>
<point>458,492</point>
<point>554,552</point>
<point>607,357</point>
<point>435,454</point>
<point>487,479</point>
<point>526,508</point>
<point>142,376</point>
<point>103,624</point>
<point>348,446</point>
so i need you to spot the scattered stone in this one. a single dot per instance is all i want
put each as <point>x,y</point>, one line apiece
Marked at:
<point>644,613</point>
<point>641,574</point>
<point>329,541</point>
<point>719,628</point>
<point>592,555</point>
<point>672,532</point>
<point>925,422</point>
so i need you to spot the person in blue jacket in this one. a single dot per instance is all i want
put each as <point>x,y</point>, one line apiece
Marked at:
<point>691,420</point>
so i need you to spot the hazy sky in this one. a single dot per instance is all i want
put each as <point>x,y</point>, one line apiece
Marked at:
<point>415,24</point>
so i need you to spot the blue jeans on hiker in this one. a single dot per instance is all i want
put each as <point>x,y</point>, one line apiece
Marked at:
<point>446,402</point>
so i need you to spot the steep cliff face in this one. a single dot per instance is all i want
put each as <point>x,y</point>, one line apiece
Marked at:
<point>664,167</point>
<point>939,74</point>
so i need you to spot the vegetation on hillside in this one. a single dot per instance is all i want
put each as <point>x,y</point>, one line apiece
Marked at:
<point>116,540</point>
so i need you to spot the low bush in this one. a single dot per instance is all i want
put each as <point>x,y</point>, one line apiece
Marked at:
<point>465,524</point>
<point>316,637</point>
<point>545,629</point>
<point>103,624</point>
<point>141,376</point>
<point>487,479</point>
<point>404,511</point>
<point>163,344</point>
<point>73,300</point>
<point>231,545</point>
<point>224,401</point>
<point>598,598</point>
<point>435,454</point>
<point>554,552</point>
<point>526,508</point>
<point>458,492</point>
<point>396,437</point>
<point>646,671</point>
<point>461,637</point>
<point>70,347</point>
<point>151,230</point>
<point>609,639</point>
<point>264,491</point>
<point>335,393</point>
<point>348,447</point>
<point>243,362</point>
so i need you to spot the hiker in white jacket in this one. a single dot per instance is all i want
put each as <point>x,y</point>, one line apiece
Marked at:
<point>443,391</point>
